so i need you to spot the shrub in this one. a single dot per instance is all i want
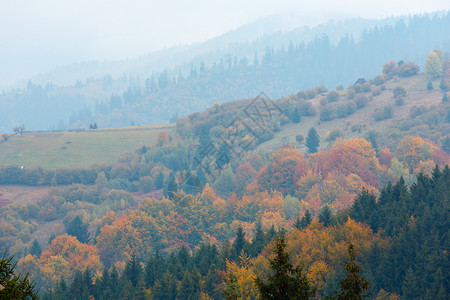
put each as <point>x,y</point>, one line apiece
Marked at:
<point>390,69</point>
<point>365,87</point>
<point>379,80</point>
<point>408,69</point>
<point>344,110</point>
<point>339,87</point>
<point>417,111</point>
<point>334,134</point>
<point>383,114</point>
<point>321,89</point>
<point>326,113</point>
<point>357,88</point>
<point>399,101</point>
<point>333,96</point>
<point>299,138</point>
<point>356,128</point>
<point>361,101</point>
<point>350,94</point>
<point>429,86</point>
<point>399,92</point>
<point>305,108</point>
<point>311,93</point>
<point>302,95</point>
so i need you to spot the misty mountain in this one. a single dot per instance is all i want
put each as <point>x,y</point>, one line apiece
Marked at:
<point>181,80</point>
<point>274,31</point>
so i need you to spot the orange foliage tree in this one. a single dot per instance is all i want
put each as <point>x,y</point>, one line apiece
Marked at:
<point>321,250</point>
<point>64,256</point>
<point>285,169</point>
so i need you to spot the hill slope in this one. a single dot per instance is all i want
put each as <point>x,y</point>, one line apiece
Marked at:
<point>386,130</point>
<point>52,150</point>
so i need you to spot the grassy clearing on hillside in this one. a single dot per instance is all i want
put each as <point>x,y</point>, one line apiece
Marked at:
<point>417,94</point>
<point>53,150</point>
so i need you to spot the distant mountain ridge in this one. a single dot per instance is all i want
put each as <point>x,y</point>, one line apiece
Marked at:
<point>274,31</point>
<point>278,63</point>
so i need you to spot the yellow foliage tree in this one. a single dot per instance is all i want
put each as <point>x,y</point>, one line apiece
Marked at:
<point>64,256</point>
<point>433,66</point>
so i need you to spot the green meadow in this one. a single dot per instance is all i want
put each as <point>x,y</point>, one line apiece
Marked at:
<point>51,150</point>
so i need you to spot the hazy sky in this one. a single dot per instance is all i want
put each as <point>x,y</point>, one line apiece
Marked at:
<point>39,35</point>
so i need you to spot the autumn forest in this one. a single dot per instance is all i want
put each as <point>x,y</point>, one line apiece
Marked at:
<point>322,193</point>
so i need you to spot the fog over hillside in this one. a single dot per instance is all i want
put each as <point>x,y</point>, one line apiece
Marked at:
<point>172,83</point>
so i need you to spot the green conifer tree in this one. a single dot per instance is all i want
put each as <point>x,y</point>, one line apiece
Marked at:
<point>36,248</point>
<point>326,215</point>
<point>312,140</point>
<point>285,282</point>
<point>353,286</point>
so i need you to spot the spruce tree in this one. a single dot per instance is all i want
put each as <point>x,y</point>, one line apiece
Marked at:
<point>312,140</point>
<point>213,282</point>
<point>410,288</point>
<point>259,240</point>
<point>353,286</point>
<point>77,287</point>
<point>306,219</point>
<point>78,229</point>
<point>296,118</point>
<point>325,215</point>
<point>141,292</point>
<point>133,270</point>
<point>239,243</point>
<point>154,269</point>
<point>61,290</point>
<point>113,282</point>
<point>286,282</point>
<point>298,223</point>
<point>165,288</point>
<point>159,182</point>
<point>189,288</point>
<point>36,249</point>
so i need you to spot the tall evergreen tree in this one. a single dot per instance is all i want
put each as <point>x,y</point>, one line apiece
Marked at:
<point>154,269</point>
<point>410,289</point>
<point>325,215</point>
<point>286,282</point>
<point>133,270</point>
<point>141,292</point>
<point>189,287</point>
<point>296,118</point>
<point>240,242</point>
<point>213,282</point>
<point>61,290</point>
<point>78,229</point>
<point>35,248</point>
<point>306,219</point>
<point>353,286</point>
<point>259,240</point>
<point>312,140</point>
<point>113,283</point>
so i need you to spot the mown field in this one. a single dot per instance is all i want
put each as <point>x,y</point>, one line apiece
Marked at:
<point>51,150</point>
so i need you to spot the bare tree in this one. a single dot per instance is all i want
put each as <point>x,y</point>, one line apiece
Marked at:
<point>19,129</point>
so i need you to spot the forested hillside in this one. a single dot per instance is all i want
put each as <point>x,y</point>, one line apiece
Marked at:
<point>194,212</point>
<point>278,71</point>
<point>397,253</point>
